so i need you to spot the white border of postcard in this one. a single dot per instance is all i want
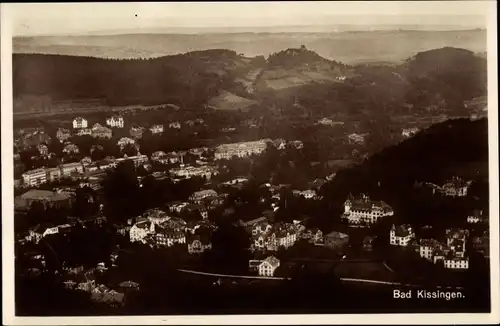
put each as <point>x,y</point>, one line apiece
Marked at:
<point>393,7</point>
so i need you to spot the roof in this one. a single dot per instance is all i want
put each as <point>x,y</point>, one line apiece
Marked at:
<point>254,221</point>
<point>402,230</point>
<point>335,234</point>
<point>271,260</point>
<point>430,243</point>
<point>47,195</point>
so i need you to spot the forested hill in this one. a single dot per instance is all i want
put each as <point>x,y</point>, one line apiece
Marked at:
<point>457,147</point>
<point>187,79</point>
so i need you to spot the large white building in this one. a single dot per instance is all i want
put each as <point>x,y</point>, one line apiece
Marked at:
<point>456,263</point>
<point>243,149</point>
<point>80,123</point>
<point>34,177</point>
<point>70,168</point>
<point>194,171</point>
<point>428,248</point>
<point>156,129</point>
<point>140,230</point>
<point>115,121</point>
<point>401,235</point>
<point>363,211</point>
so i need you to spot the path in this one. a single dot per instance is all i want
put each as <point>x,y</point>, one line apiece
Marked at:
<point>344,279</point>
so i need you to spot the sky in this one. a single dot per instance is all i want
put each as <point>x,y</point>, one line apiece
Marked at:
<point>82,18</point>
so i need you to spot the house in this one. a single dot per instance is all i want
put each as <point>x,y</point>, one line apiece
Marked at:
<point>177,207</point>
<point>84,132</point>
<point>167,236</point>
<point>70,149</point>
<point>199,243</point>
<point>241,149</point>
<point>99,131</point>
<point>355,138</point>
<point>194,171</point>
<point>124,141</point>
<point>156,129</point>
<point>307,194</point>
<point>368,243</point>
<point>456,263</point>
<point>401,235</point>
<point>456,187</point>
<point>45,197</point>
<point>409,132</point>
<point>198,196</point>
<point>313,235</point>
<point>269,266</point>
<point>115,121</point>
<point>43,149</point>
<point>86,161</point>
<point>136,132</point>
<point>156,216</point>
<point>80,123</point>
<point>71,168</point>
<point>63,134</point>
<point>428,248</point>
<point>456,238</point>
<point>86,281</point>
<point>140,230</point>
<point>34,177</point>
<point>336,240</point>
<point>363,211</point>
<point>129,285</point>
<point>175,125</point>
<point>476,217</point>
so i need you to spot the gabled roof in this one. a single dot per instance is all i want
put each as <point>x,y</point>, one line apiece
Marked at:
<point>273,261</point>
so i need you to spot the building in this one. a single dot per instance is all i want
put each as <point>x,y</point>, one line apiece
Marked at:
<point>409,132</point>
<point>243,149</point>
<point>70,149</point>
<point>71,168</point>
<point>43,149</point>
<point>136,132</point>
<point>45,197</point>
<point>167,237</point>
<point>137,159</point>
<point>476,217</point>
<point>313,235</point>
<point>99,131</point>
<point>363,211</point>
<point>456,263</point>
<point>53,174</point>
<point>428,248</point>
<point>355,138</point>
<point>174,125</point>
<point>336,240</point>
<point>84,132</point>
<point>199,243</point>
<point>167,158</point>
<point>368,243</point>
<point>156,216</point>
<point>280,235</point>
<point>268,266</point>
<point>139,231</point>
<point>156,129</point>
<point>63,134</point>
<point>199,196</point>
<point>115,121</point>
<point>401,235</point>
<point>124,141</point>
<point>456,187</point>
<point>34,177</point>
<point>194,171</point>
<point>80,123</point>
<point>307,194</point>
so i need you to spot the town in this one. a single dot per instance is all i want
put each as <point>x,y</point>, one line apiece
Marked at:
<point>232,208</point>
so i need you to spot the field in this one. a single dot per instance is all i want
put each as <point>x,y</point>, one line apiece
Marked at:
<point>230,102</point>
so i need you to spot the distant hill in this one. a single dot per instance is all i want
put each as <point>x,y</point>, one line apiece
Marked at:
<point>349,48</point>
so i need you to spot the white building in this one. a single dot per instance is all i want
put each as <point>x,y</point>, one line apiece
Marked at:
<point>70,168</point>
<point>99,131</point>
<point>156,216</point>
<point>242,149</point>
<point>307,194</point>
<point>357,138</point>
<point>456,187</point>
<point>63,134</point>
<point>401,235</point>
<point>175,125</point>
<point>70,149</point>
<point>269,266</point>
<point>156,129</point>
<point>202,194</point>
<point>409,132</point>
<point>84,132</point>
<point>115,121</point>
<point>194,171</point>
<point>43,149</point>
<point>34,177</point>
<point>428,247</point>
<point>53,174</point>
<point>456,263</point>
<point>124,141</point>
<point>363,211</point>
<point>140,230</point>
<point>80,123</point>
<point>476,217</point>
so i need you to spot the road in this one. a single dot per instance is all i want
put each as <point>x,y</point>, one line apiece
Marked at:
<point>344,279</point>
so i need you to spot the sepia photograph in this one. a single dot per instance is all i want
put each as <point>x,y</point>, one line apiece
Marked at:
<point>250,162</point>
